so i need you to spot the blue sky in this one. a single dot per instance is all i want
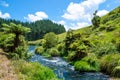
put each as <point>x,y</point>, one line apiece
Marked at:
<point>71,13</point>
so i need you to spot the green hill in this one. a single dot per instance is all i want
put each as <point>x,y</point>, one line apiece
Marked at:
<point>111,20</point>
<point>38,28</point>
<point>91,48</point>
<point>101,45</point>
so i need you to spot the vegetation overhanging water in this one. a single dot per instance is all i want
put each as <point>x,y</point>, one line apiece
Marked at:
<point>65,71</point>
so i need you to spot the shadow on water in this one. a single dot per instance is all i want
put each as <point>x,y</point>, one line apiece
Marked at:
<point>65,71</point>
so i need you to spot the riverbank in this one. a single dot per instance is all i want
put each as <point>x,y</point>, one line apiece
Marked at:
<point>114,78</point>
<point>6,70</point>
<point>23,70</point>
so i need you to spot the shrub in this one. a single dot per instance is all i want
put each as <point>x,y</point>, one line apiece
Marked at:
<point>110,28</point>
<point>53,52</point>
<point>88,63</point>
<point>109,62</point>
<point>74,45</point>
<point>32,71</point>
<point>39,50</point>
<point>82,66</point>
<point>13,56</point>
<point>116,72</point>
<point>50,40</point>
<point>6,41</point>
<point>71,55</point>
<point>21,51</point>
<point>60,48</point>
<point>103,48</point>
<point>29,55</point>
<point>102,27</point>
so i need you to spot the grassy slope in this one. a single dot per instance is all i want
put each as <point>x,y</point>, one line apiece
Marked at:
<point>108,32</point>
<point>111,19</point>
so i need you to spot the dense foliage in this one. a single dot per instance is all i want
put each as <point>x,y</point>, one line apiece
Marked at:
<point>96,20</point>
<point>32,71</point>
<point>110,64</point>
<point>50,40</point>
<point>12,40</point>
<point>38,28</point>
<point>96,47</point>
<point>48,45</point>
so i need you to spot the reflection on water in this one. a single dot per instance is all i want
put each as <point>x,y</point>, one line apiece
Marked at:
<point>64,70</point>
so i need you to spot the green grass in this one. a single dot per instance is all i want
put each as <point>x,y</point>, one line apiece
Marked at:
<point>88,63</point>
<point>32,71</point>
<point>109,64</point>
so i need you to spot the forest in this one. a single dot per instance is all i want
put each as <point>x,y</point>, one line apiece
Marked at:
<point>38,28</point>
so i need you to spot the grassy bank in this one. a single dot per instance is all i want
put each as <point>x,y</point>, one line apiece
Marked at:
<point>32,71</point>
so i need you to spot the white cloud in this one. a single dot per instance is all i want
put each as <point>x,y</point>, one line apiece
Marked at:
<point>62,22</point>
<point>5,15</point>
<point>3,3</point>
<point>81,13</point>
<point>102,12</point>
<point>78,25</point>
<point>82,24</point>
<point>37,16</point>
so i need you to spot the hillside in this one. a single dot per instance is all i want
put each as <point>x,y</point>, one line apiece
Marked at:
<point>111,19</point>
<point>38,28</point>
<point>91,48</point>
<point>100,45</point>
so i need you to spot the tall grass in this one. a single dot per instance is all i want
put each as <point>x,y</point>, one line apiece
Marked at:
<point>32,71</point>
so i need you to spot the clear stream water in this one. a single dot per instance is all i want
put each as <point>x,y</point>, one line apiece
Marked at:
<point>65,71</point>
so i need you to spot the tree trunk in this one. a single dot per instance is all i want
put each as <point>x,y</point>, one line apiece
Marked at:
<point>16,42</point>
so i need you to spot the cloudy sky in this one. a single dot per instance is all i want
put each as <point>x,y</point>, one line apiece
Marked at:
<point>70,13</point>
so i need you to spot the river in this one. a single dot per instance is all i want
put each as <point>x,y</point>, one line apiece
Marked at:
<point>65,71</point>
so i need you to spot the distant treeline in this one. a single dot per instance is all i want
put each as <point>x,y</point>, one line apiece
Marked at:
<point>38,28</point>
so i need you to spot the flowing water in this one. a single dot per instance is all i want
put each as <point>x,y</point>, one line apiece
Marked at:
<point>65,71</point>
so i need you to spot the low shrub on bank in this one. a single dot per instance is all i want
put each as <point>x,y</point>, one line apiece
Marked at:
<point>39,50</point>
<point>109,64</point>
<point>53,52</point>
<point>32,71</point>
<point>116,72</point>
<point>88,63</point>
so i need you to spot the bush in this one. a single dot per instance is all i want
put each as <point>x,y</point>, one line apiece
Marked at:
<point>32,71</point>
<point>60,48</point>
<point>71,55</point>
<point>102,27</point>
<point>110,28</point>
<point>103,48</point>
<point>21,51</point>
<point>82,66</point>
<point>50,40</point>
<point>88,63</point>
<point>116,72</point>
<point>53,52</point>
<point>74,45</point>
<point>6,41</point>
<point>39,50</point>
<point>109,62</point>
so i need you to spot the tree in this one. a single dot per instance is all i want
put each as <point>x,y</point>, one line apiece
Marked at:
<point>96,20</point>
<point>17,31</point>
<point>50,40</point>
<point>38,28</point>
